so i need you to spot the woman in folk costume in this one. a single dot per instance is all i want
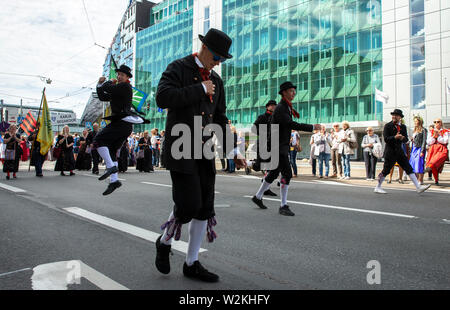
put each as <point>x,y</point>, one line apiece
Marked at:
<point>66,160</point>
<point>418,151</point>
<point>25,149</point>
<point>438,151</point>
<point>13,151</point>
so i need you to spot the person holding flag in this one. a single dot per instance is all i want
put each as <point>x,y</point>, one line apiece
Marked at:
<point>110,139</point>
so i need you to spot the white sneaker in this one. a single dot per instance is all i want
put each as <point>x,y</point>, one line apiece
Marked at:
<point>379,190</point>
<point>423,188</point>
<point>347,178</point>
<point>368,179</point>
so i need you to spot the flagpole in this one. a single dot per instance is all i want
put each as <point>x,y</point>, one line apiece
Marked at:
<point>446,93</point>
<point>34,141</point>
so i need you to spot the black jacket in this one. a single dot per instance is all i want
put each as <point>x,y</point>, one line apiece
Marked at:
<point>283,117</point>
<point>120,95</point>
<point>90,137</point>
<point>261,120</point>
<point>181,92</point>
<point>393,145</point>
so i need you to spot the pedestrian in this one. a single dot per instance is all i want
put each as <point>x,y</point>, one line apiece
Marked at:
<point>231,165</point>
<point>394,135</point>
<point>25,149</point>
<point>322,151</point>
<point>76,146</point>
<point>312,156</point>
<point>13,152</point>
<point>368,144</point>
<point>430,173</point>
<point>37,159</point>
<point>347,146</point>
<point>294,147</point>
<point>144,157</point>
<point>438,153</point>
<point>336,160</point>
<point>190,90</point>
<point>418,150</point>
<point>110,139</point>
<point>161,145</point>
<point>84,159</point>
<point>123,159</point>
<point>90,149</point>
<point>2,149</point>
<point>66,160</point>
<point>282,117</point>
<point>155,147</point>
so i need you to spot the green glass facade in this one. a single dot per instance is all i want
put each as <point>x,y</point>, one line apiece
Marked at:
<point>168,38</point>
<point>330,49</point>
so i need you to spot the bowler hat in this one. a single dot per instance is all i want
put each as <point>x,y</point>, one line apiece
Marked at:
<point>271,102</point>
<point>218,42</point>
<point>286,85</point>
<point>126,70</point>
<point>398,112</point>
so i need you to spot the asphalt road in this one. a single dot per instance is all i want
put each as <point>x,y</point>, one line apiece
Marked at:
<point>338,229</point>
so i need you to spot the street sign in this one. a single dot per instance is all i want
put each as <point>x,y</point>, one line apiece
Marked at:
<point>89,125</point>
<point>62,118</point>
<point>103,124</point>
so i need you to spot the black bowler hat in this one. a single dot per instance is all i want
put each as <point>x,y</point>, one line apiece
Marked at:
<point>398,112</point>
<point>217,41</point>
<point>271,102</point>
<point>286,85</point>
<point>126,70</point>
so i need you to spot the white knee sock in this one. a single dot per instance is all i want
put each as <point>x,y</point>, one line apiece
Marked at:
<point>283,193</point>
<point>115,176</point>
<point>413,178</point>
<point>264,186</point>
<point>163,238</point>
<point>197,231</point>
<point>104,153</point>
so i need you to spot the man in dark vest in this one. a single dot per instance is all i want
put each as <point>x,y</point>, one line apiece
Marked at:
<point>282,117</point>
<point>395,135</point>
<point>263,119</point>
<point>192,93</point>
<point>36,160</point>
<point>90,142</point>
<point>109,140</point>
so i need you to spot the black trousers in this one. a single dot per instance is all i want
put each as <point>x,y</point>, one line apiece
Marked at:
<point>95,160</point>
<point>394,156</point>
<point>113,136</point>
<point>371,163</point>
<point>284,167</point>
<point>193,194</point>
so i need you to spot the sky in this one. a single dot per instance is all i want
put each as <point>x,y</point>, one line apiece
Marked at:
<point>53,39</point>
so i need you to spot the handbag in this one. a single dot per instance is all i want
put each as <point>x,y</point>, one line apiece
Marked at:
<point>10,154</point>
<point>140,154</point>
<point>56,152</point>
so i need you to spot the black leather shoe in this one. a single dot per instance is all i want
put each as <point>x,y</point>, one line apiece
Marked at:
<point>197,271</point>
<point>95,172</point>
<point>162,261</point>
<point>72,173</point>
<point>259,202</point>
<point>269,193</point>
<point>112,187</point>
<point>39,175</point>
<point>62,173</point>
<point>285,211</point>
<point>247,170</point>
<point>108,172</point>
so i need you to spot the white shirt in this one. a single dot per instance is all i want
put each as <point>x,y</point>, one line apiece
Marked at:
<point>442,139</point>
<point>200,65</point>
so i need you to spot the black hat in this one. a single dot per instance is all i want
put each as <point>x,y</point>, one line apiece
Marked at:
<point>217,41</point>
<point>271,102</point>
<point>286,85</point>
<point>126,70</point>
<point>398,112</point>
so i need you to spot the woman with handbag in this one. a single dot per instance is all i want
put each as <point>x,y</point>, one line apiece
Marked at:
<point>13,152</point>
<point>144,154</point>
<point>347,146</point>
<point>370,160</point>
<point>66,160</point>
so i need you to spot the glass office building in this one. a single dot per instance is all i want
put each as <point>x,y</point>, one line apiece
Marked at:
<point>330,49</point>
<point>168,38</point>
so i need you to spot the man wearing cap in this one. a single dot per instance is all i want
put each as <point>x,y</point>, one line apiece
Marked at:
<point>189,89</point>
<point>282,116</point>
<point>395,134</point>
<point>109,140</point>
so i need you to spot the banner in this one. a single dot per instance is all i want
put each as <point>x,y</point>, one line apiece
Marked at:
<point>380,96</point>
<point>45,135</point>
<point>63,118</point>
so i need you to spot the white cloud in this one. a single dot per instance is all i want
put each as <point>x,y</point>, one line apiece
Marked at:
<point>39,37</point>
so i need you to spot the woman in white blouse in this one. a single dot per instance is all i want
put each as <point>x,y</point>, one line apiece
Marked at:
<point>323,142</point>
<point>438,151</point>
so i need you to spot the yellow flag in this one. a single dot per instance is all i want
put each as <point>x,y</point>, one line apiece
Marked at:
<point>45,135</point>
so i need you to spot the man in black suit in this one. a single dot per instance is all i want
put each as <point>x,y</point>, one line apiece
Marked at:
<point>108,142</point>
<point>89,141</point>
<point>282,116</point>
<point>192,93</point>
<point>395,134</point>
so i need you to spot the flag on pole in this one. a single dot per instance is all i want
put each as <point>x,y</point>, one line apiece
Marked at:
<point>29,124</point>
<point>139,96</point>
<point>381,96</point>
<point>45,135</point>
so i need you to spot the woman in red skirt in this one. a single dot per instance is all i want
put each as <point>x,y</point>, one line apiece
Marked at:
<point>438,151</point>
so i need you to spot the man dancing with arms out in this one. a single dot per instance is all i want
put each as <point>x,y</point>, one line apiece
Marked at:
<point>394,135</point>
<point>282,116</point>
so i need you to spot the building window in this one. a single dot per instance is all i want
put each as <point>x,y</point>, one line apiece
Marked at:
<point>264,38</point>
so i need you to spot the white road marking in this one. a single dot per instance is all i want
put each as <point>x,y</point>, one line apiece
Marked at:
<point>341,208</point>
<point>333,183</point>
<point>446,221</point>
<point>222,206</point>
<point>127,228</point>
<point>12,272</point>
<point>12,188</point>
<point>58,275</point>
<point>165,185</point>
<point>96,176</point>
